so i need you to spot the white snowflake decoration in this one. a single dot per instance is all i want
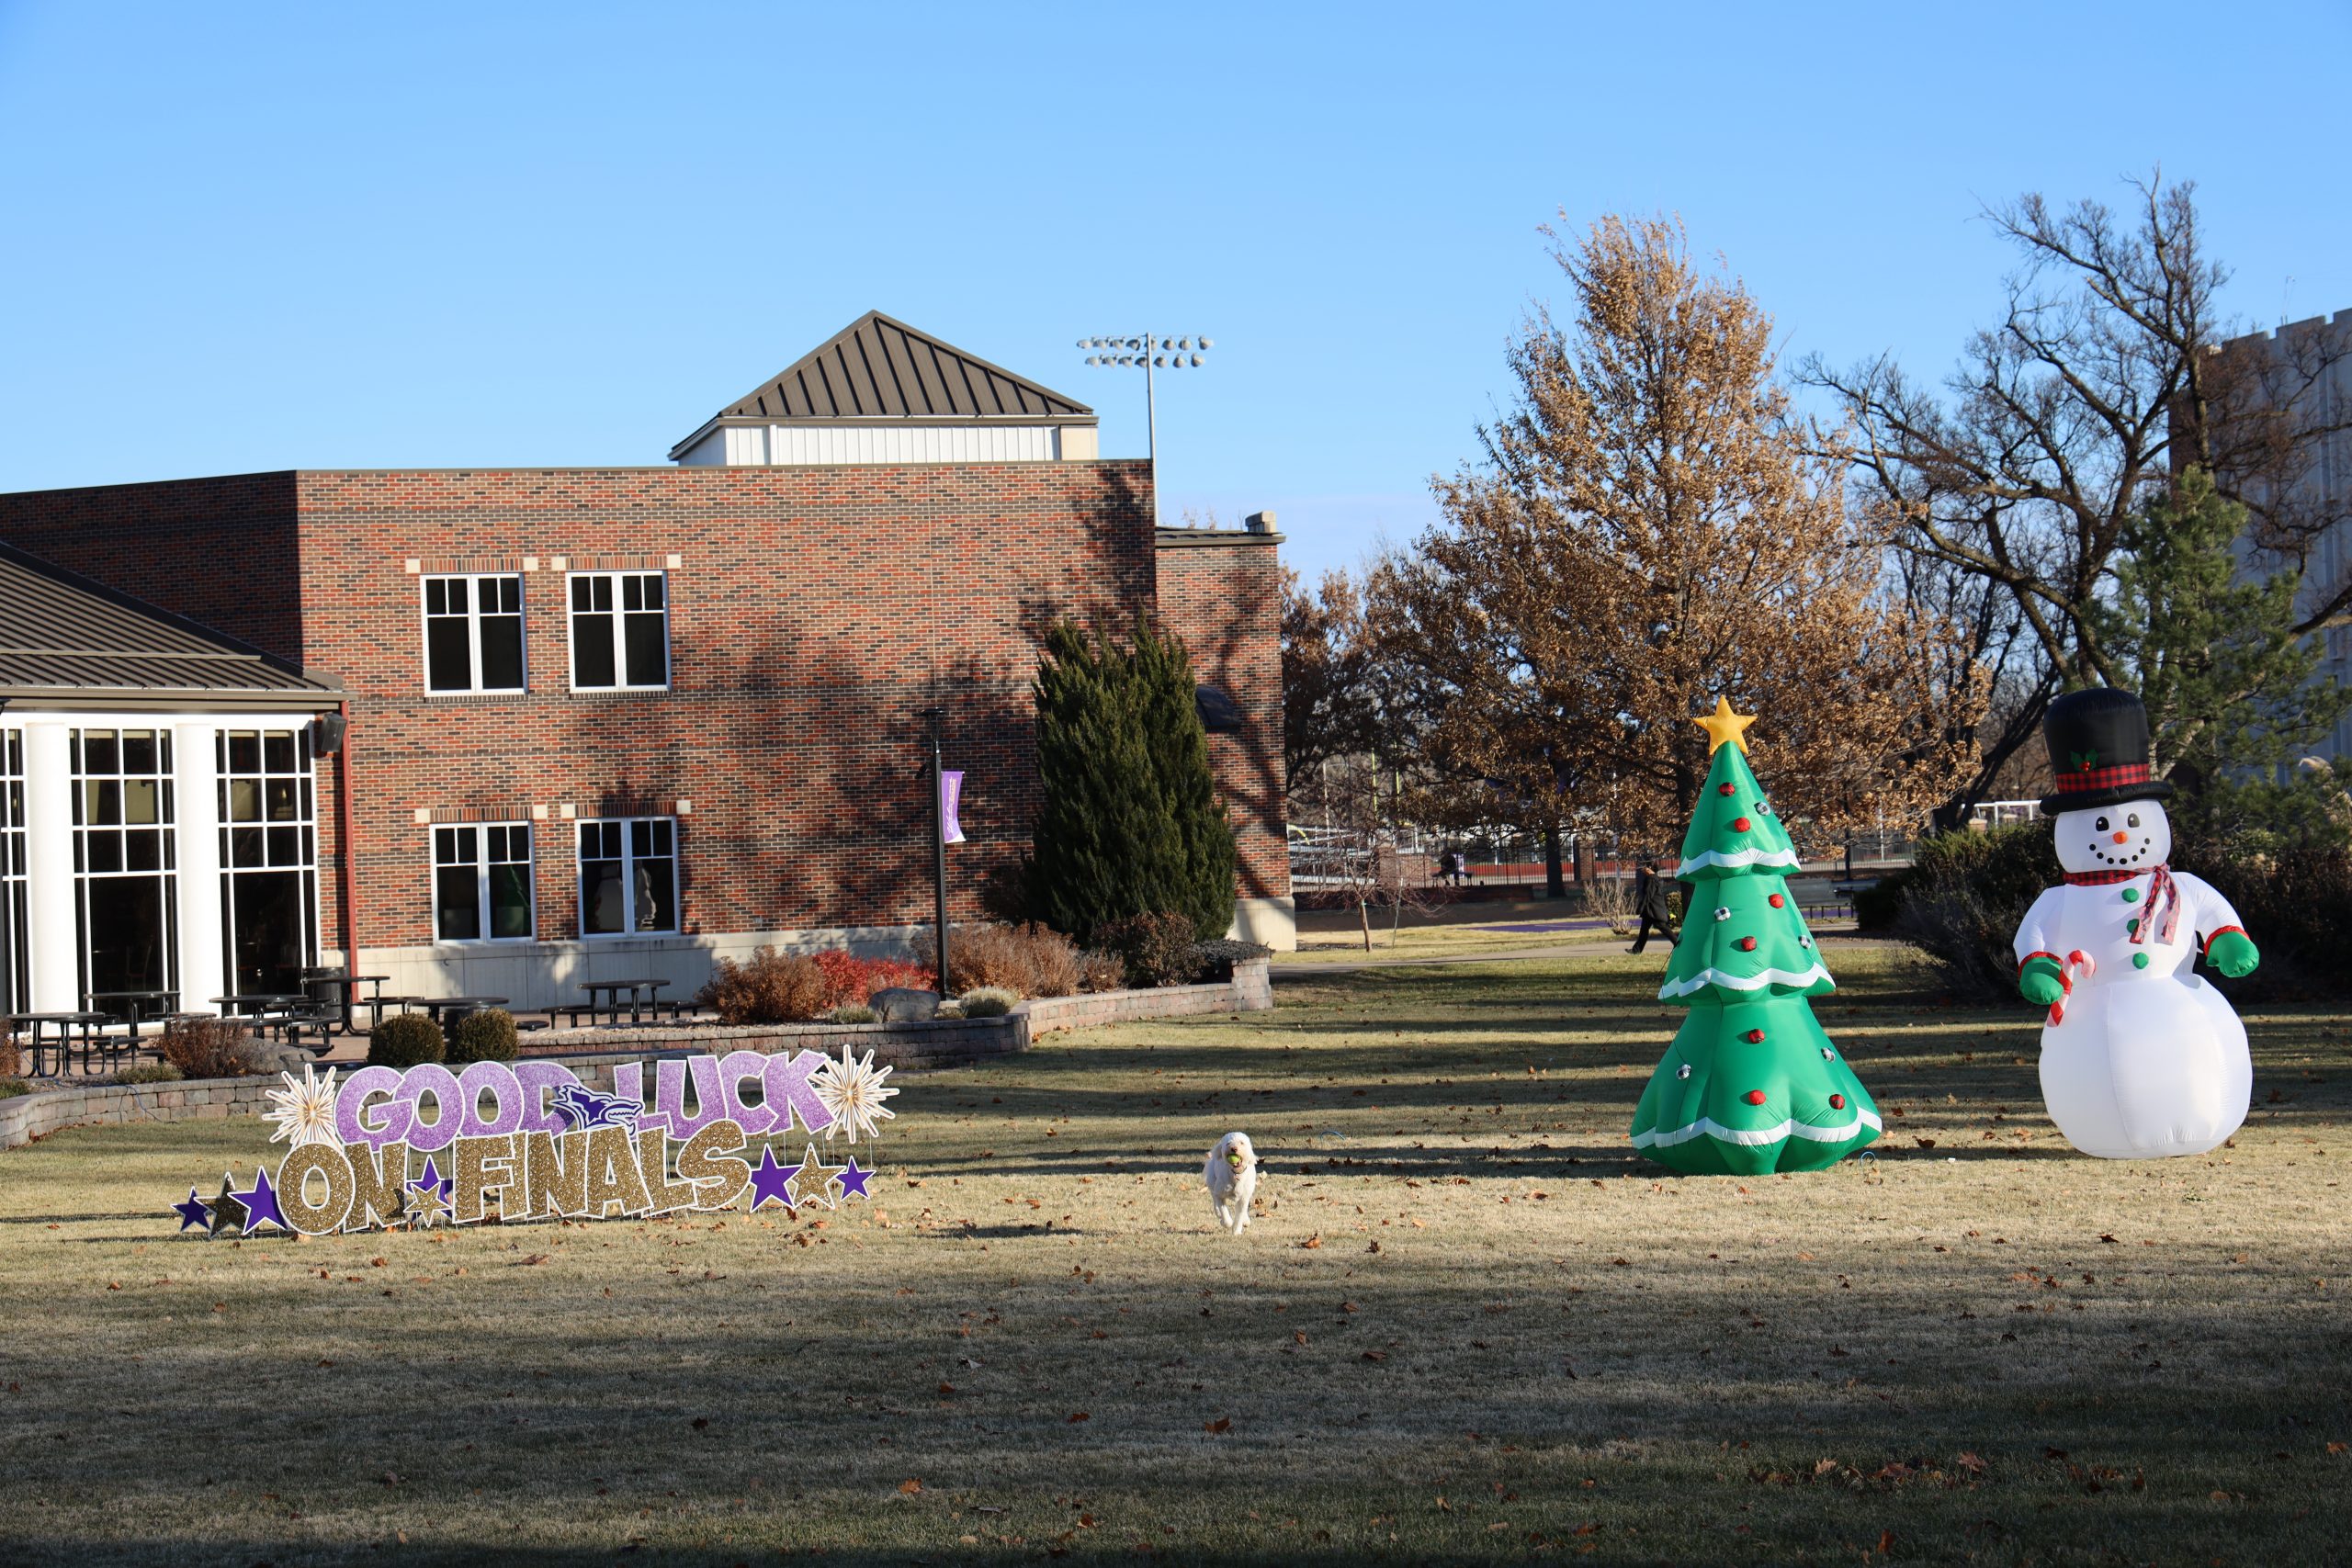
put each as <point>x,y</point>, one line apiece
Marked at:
<point>853,1090</point>
<point>304,1112</point>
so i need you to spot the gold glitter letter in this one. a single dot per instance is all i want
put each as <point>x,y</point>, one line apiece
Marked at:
<point>706,1160</point>
<point>485,1165</point>
<point>613,1176</point>
<point>653,1159</point>
<point>378,1185</point>
<point>555,1174</point>
<point>302,1162</point>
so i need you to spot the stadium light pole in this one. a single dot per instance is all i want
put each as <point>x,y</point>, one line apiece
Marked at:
<point>1153,353</point>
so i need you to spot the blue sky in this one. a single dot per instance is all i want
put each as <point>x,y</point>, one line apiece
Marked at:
<point>241,237</point>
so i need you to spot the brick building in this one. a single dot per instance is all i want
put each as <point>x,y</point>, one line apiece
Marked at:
<point>605,722</point>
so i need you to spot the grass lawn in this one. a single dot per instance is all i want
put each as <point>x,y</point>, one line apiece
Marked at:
<point>1469,1325</point>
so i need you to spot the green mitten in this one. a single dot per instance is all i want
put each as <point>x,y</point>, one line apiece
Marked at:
<point>2041,982</point>
<point>2232,952</point>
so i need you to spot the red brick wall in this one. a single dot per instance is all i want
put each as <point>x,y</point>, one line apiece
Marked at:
<point>1225,599</point>
<point>814,612</point>
<point>220,551</point>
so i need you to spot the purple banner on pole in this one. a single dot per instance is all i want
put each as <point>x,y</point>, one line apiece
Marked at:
<point>951,796</point>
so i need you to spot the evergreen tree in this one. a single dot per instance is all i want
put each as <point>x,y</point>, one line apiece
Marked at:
<point>1202,891</point>
<point>1751,1085</point>
<point>2228,682</point>
<point>1104,846</point>
<point>1131,823</point>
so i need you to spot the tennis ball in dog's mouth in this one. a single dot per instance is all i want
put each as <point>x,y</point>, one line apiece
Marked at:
<point>1233,1157</point>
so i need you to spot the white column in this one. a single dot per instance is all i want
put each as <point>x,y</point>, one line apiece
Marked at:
<point>195,806</point>
<point>53,936</point>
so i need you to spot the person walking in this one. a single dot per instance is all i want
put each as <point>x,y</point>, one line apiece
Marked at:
<point>1649,903</point>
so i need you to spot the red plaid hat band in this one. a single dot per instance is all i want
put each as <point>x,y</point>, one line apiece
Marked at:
<point>2088,779</point>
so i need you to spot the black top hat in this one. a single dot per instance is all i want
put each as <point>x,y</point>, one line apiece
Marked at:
<point>2098,750</point>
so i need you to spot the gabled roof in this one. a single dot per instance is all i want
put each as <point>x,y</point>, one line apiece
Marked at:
<point>65,638</point>
<point>878,367</point>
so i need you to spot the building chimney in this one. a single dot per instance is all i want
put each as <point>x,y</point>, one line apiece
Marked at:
<point>1259,522</point>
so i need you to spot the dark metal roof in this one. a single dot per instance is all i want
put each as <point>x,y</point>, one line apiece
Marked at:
<point>65,638</point>
<point>878,367</point>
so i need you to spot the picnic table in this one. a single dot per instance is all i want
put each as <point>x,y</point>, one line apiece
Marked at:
<point>347,985</point>
<point>439,1008</point>
<point>38,1024</point>
<point>133,1005</point>
<point>641,998</point>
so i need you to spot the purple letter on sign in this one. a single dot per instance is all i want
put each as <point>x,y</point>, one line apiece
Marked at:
<point>789,1094</point>
<point>951,796</point>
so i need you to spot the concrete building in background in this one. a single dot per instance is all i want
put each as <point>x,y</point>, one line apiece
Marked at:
<point>2319,351</point>
<point>621,721</point>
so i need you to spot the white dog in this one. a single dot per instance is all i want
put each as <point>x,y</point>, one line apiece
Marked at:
<point>1232,1176</point>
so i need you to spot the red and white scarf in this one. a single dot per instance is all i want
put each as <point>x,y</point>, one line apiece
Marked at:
<point>2162,894</point>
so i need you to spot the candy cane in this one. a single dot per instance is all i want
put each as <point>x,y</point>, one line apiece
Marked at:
<point>2080,965</point>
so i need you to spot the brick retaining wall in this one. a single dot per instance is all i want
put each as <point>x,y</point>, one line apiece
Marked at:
<point>954,1042</point>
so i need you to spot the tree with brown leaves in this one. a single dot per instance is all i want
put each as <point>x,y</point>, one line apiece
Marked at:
<point>1651,530</point>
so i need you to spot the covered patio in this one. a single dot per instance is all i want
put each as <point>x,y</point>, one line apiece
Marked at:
<point>160,810</point>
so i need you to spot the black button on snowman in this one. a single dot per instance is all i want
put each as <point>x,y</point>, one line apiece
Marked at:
<point>2140,1057</point>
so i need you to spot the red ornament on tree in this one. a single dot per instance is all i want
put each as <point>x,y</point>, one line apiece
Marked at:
<point>1748,945</point>
<point>1755,1037</point>
<point>1754,1096</point>
<point>1723,789</point>
<point>1837,1103</point>
<point>1776,900</point>
<point>1739,824</point>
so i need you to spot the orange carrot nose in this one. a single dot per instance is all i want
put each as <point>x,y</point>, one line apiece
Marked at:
<point>2120,838</point>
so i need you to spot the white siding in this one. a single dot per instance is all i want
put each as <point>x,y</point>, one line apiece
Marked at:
<point>834,444</point>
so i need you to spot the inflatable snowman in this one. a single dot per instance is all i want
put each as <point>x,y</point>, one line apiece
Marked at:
<point>2140,1057</point>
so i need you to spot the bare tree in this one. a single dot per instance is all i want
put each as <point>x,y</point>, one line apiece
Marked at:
<point>2102,381</point>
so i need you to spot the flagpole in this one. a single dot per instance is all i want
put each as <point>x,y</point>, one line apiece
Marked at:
<point>939,843</point>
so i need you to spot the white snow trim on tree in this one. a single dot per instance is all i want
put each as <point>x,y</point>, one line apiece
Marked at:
<point>1738,858</point>
<point>1708,1127</point>
<point>1706,978</point>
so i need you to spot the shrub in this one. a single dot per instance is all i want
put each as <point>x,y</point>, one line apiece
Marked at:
<point>485,1036</point>
<point>150,1072</point>
<point>405,1039</point>
<point>12,1056</point>
<point>1154,949</point>
<point>949,1009</point>
<point>987,1001</point>
<point>1611,898</point>
<point>772,988</point>
<point>1101,971</point>
<point>1029,961</point>
<point>1963,900</point>
<point>208,1047</point>
<point>11,1087</point>
<point>850,980</point>
<point>856,1012</point>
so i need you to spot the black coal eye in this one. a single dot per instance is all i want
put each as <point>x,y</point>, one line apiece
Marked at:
<point>2132,820</point>
<point>2100,824</point>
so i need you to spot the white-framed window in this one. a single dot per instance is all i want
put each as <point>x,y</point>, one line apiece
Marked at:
<point>474,634</point>
<point>269,860</point>
<point>15,977</point>
<point>481,883</point>
<point>126,872</point>
<point>628,875</point>
<point>620,631</point>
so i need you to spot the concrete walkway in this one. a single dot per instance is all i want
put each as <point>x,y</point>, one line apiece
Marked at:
<point>1562,949</point>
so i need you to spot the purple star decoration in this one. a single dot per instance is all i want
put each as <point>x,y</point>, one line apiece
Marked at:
<point>852,1180</point>
<point>770,1179</point>
<point>261,1203</point>
<point>434,1182</point>
<point>192,1212</point>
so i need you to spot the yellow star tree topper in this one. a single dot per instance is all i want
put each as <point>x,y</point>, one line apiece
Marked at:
<point>1723,725</point>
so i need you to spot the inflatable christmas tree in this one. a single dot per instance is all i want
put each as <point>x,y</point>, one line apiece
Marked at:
<point>1750,1085</point>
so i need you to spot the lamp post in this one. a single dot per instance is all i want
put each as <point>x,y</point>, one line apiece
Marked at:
<point>934,720</point>
<point>1151,353</point>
